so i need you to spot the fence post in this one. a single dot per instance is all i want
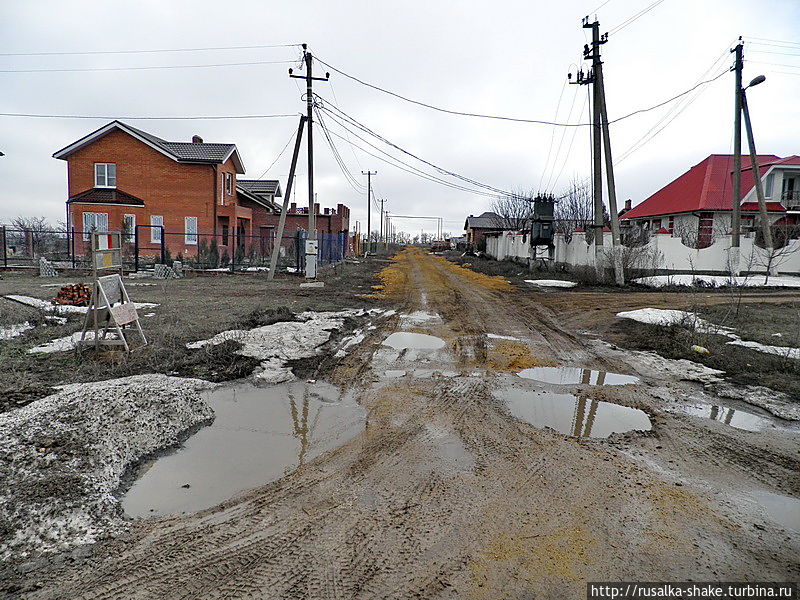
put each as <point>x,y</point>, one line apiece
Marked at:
<point>234,250</point>
<point>163,245</point>
<point>5,249</point>
<point>136,248</point>
<point>72,246</point>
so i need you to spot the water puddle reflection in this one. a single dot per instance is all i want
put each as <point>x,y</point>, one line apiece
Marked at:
<point>573,375</point>
<point>781,509</point>
<point>573,415</point>
<point>404,340</point>
<point>735,418</point>
<point>259,435</point>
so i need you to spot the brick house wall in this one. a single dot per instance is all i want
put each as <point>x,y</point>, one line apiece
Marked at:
<point>168,188</point>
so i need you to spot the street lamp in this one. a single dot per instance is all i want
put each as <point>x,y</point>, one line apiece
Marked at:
<point>756,81</point>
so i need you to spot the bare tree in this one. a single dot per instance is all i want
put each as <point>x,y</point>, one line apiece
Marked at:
<point>575,208</point>
<point>37,232</point>
<point>514,210</point>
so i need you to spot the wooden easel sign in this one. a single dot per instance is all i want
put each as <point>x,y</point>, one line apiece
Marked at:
<point>110,311</point>
<point>110,308</point>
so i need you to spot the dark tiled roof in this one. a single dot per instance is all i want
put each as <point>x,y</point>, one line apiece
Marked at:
<point>189,152</point>
<point>262,187</point>
<point>106,196</point>
<point>488,220</point>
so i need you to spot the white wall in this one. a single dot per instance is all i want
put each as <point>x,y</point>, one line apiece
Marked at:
<point>671,253</point>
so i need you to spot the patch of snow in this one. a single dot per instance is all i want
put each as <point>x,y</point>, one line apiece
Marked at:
<point>256,269</point>
<point>65,455</point>
<point>63,308</point>
<point>56,320</point>
<point>15,330</point>
<point>64,344</point>
<point>559,283</point>
<point>717,281</point>
<point>150,315</point>
<point>280,342</point>
<point>658,316</point>
<point>494,336</point>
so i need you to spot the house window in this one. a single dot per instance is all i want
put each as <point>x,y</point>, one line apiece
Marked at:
<point>768,185</point>
<point>229,184</point>
<point>156,223</point>
<point>190,230</point>
<point>224,234</point>
<point>671,227</point>
<point>105,175</point>
<point>129,224</point>
<point>94,222</point>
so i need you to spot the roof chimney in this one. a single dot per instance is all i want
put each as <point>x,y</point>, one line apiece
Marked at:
<point>316,208</point>
<point>628,204</point>
<point>196,139</point>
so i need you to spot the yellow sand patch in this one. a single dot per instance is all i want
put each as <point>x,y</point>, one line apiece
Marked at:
<point>527,555</point>
<point>508,355</point>
<point>394,278</point>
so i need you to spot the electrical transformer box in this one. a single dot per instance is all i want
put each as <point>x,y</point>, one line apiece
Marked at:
<point>542,221</point>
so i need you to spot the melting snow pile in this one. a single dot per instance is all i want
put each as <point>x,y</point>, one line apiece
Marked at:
<point>560,283</point>
<point>658,316</point>
<point>280,342</point>
<point>62,457</point>
<point>13,331</point>
<point>717,281</point>
<point>63,308</point>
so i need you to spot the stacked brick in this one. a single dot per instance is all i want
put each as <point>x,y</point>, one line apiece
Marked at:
<point>76,294</point>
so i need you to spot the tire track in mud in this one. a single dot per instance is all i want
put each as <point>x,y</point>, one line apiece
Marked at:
<point>391,515</point>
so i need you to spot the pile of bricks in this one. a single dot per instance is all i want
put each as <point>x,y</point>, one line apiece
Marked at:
<point>76,294</point>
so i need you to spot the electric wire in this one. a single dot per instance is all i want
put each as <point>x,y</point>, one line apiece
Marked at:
<point>349,177</point>
<point>442,170</point>
<point>277,158</point>
<point>154,51</point>
<point>635,17</point>
<point>569,148</point>
<point>563,135</point>
<point>150,118</point>
<point>553,132</point>
<point>150,67</point>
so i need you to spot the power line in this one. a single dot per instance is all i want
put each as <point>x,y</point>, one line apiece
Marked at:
<point>553,131</point>
<point>763,41</point>
<point>140,118</point>
<point>514,119</point>
<point>633,18</point>
<point>151,67</point>
<point>289,141</point>
<point>154,51</point>
<point>349,177</point>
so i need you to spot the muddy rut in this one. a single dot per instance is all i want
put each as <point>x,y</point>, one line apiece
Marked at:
<point>446,495</point>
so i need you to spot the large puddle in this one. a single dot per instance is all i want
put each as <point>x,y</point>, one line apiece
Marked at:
<point>781,509</point>
<point>735,418</point>
<point>259,435</point>
<point>573,375</point>
<point>405,340</point>
<point>573,415</point>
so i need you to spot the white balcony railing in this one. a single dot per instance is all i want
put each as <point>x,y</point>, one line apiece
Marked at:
<point>791,200</point>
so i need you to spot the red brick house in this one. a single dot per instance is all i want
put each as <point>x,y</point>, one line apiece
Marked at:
<point>698,204</point>
<point>123,178</point>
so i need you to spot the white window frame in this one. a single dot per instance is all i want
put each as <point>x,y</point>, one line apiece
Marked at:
<point>156,222</point>
<point>131,229</point>
<point>94,222</point>
<point>108,174</point>
<point>229,184</point>
<point>190,233</point>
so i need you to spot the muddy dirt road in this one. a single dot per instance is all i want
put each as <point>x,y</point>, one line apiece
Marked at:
<point>447,494</point>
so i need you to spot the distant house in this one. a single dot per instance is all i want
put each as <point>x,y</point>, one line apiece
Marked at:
<point>476,228</point>
<point>698,204</point>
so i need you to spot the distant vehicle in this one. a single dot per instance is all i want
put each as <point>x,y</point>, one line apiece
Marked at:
<point>440,246</point>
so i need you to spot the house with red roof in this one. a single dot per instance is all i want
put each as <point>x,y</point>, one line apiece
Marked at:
<point>697,206</point>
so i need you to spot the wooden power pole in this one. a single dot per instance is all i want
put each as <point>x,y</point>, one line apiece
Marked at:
<point>369,175</point>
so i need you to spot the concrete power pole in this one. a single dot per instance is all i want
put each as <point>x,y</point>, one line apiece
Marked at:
<point>601,141</point>
<point>276,245</point>
<point>369,175</point>
<point>311,269</point>
<point>736,214</point>
<point>383,222</point>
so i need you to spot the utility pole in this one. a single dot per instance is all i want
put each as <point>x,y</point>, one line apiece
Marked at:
<point>769,246</point>
<point>276,245</point>
<point>601,143</point>
<point>382,201</point>
<point>369,175</point>
<point>312,221</point>
<point>736,214</point>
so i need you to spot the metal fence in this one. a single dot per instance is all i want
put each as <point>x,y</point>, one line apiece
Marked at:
<point>148,245</point>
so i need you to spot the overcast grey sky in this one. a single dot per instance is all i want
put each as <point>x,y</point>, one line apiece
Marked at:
<point>503,58</point>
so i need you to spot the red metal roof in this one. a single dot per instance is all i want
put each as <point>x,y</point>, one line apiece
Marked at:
<point>707,186</point>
